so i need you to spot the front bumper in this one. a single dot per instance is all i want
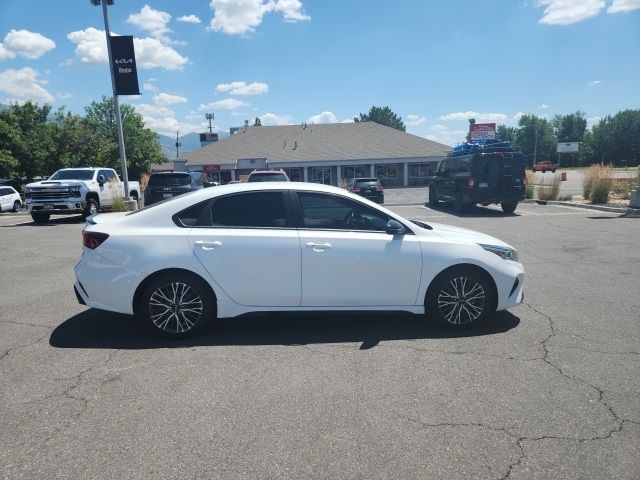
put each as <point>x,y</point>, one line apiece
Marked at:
<point>56,206</point>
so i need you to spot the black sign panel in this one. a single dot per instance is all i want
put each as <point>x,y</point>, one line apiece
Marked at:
<point>124,65</point>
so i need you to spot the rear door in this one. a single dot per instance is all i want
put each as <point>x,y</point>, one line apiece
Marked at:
<point>5,199</point>
<point>250,247</point>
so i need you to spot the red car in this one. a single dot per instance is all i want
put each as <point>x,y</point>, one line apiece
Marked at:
<point>545,167</point>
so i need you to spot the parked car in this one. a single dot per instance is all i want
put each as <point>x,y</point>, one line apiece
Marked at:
<point>370,188</point>
<point>163,185</point>
<point>485,177</point>
<point>10,200</point>
<point>268,176</point>
<point>545,167</point>
<point>235,249</point>
<point>76,190</point>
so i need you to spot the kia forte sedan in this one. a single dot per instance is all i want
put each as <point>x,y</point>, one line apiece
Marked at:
<point>279,246</point>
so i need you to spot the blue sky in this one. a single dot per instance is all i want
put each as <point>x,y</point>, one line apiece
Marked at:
<point>289,61</point>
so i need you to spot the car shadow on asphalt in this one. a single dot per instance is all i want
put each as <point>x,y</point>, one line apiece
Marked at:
<point>473,211</point>
<point>99,329</point>
<point>54,221</point>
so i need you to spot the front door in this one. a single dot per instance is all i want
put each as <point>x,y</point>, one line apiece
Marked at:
<point>349,260</point>
<point>250,248</point>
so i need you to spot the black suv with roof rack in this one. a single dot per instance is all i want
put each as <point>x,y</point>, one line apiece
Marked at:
<point>163,185</point>
<point>480,174</point>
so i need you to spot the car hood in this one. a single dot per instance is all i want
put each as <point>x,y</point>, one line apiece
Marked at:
<point>463,235</point>
<point>56,183</point>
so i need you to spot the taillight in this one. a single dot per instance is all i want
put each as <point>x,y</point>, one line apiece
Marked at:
<point>379,188</point>
<point>93,239</point>
<point>355,189</point>
<point>470,183</point>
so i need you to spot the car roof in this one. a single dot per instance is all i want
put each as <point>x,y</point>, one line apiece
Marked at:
<point>266,171</point>
<point>174,173</point>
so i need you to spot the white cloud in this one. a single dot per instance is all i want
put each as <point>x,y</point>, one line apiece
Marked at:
<point>91,49</point>
<point>242,88</point>
<point>347,120</point>
<point>591,121</point>
<point>170,125</point>
<point>239,17</point>
<point>189,19</point>
<point>480,117</point>
<point>168,99</point>
<point>146,109</point>
<point>149,87</point>
<point>226,104</point>
<point>154,21</point>
<point>566,12</point>
<point>594,83</point>
<point>544,106</point>
<point>415,120</point>
<point>27,44</point>
<point>623,6</point>
<point>268,119</point>
<point>22,85</point>
<point>443,134</point>
<point>324,117</point>
<point>64,95</point>
<point>518,116</point>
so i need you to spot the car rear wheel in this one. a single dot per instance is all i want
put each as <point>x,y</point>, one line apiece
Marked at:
<point>176,305</point>
<point>509,207</point>
<point>40,217</point>
<point>459,298</point>
<point>17,206</point>
<point>433,197</point>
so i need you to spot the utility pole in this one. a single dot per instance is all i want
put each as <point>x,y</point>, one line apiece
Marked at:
<point>178,144</point>
<point>210,116</point>
<point>123,155</point>
<point>535,145</point>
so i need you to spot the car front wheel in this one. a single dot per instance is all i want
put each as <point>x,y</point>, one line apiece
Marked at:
<point>459,298</point>
<point>433,197</point>
<point>17,206</point>
<point>176,305</point>
<point>91,208</point>
<point>509,207</point>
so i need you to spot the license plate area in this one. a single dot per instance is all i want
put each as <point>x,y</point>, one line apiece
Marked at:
<point>166,195</point>
<point>48,206</point>
<point>483,185</point>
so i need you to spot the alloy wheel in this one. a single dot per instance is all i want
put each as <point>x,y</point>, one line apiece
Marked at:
<point>175,307</point>
<point>461,301</point>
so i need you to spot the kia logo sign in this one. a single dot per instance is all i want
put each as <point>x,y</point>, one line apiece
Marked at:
<point>123,59</point>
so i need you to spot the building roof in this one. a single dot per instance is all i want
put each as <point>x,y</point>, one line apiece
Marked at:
<point>323,142</point>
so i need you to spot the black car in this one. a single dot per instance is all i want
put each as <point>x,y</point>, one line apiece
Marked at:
<point>490,174</point>
<point>164,185</point>
<point>370,188</point>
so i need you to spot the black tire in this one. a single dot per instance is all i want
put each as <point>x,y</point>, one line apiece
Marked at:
<point>17,207</point>
<point>433,197</point>
<point>509,207</point>
<point>458,204</point>
<point>91,208</point>
<point>40,217</point>
<point>553,171</point>
<point>164,313</point>
<point>455,311</point>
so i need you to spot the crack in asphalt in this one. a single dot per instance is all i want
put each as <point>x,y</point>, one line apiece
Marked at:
<point>19,347</point>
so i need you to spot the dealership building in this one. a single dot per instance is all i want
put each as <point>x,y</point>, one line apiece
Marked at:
<point>323,153</point>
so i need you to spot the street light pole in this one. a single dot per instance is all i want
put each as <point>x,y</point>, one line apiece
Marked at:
<point>535,145</point>
<point>123,155</point>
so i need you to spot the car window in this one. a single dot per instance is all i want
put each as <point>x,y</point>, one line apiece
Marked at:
<point>5,191</point>
<point>171,179</point>
<point>194,216</point>
<point>249,210</point>
<point>332,212</point>
<point>72,175</point>
<point>267,177</point>
<point>110,175</point>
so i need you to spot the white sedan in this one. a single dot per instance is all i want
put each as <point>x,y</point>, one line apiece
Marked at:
<point>235,249</point>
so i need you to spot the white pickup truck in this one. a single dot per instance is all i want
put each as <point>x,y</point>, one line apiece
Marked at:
<point>76,190</point>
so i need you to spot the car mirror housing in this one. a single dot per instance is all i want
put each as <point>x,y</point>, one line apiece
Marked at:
<point>394,227</point>
<point>101,179</point>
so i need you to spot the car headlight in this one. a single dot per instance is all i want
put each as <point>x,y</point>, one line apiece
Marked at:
<point>75,191</point>
<point>503,252</point>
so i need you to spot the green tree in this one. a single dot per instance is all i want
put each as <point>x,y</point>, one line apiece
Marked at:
<point>383,116</point>
<point>506,134</point>
<point>526,138</point>
<point>141,144</point>
<point>8,165</point>
<point>615,139</point>
<point>570,128</point>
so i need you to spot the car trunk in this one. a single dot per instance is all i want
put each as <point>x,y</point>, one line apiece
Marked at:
<point>499,176</point>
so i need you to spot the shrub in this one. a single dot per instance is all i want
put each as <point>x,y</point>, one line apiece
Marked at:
<point>621,187</point>
<point>549,187</point>
<point>118,200</point>
<point>600,176</point>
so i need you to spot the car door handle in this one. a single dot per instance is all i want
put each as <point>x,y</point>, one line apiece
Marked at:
<point>318,247</point>
<point>204,245</point>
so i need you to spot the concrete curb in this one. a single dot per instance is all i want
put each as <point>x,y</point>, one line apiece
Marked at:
<point>602,208</point>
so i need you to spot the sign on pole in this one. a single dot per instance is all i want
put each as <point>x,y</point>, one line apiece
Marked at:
<point>567,147</point>
<point>482,131</point>
<point>124,65</point>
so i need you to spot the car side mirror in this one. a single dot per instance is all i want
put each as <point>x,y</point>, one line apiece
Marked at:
<point>101,179</point>
<point>394,227</point>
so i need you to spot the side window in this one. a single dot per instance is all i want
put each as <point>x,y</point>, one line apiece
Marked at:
<point>5,191</point>
<point>111,175</point>
<point>332,212</point>
<point>193,216</point>
<point>443,166</point>
<point>250,210</point>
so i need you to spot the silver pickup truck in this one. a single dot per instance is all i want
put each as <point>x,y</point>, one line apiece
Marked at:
<point>76,190</point>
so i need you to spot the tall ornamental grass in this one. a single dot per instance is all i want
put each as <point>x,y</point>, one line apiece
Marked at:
<point>597,183</point>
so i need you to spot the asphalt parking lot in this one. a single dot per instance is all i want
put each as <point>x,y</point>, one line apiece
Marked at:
<point>548,390</point>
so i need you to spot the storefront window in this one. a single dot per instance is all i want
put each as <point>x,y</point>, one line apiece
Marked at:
<point>419,170</point>
<point>387,171</point>
<point>359,171</point>
<point>295,174</point>
<point>320,175</point>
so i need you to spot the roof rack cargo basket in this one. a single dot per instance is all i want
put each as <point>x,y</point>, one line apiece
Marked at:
<point>489,146</point>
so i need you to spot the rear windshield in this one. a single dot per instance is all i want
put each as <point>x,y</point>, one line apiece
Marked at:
<point>367,181</point>
<point>168,180</point>
<point>267,177</point>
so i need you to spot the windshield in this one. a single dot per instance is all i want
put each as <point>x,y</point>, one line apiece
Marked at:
<point>267,177</point>
<point>72,175</point>
<point>367,181</point>
<point>165,180</point>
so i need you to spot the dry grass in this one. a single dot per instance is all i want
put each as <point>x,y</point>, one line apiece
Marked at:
<point>621,187</point>
<point>144,181</point>
<point>118,200</point>
<point>529,188</point>
<point>597,183</point>
<point>549,186</point>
